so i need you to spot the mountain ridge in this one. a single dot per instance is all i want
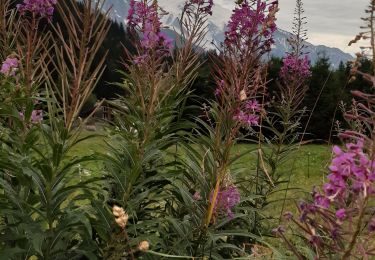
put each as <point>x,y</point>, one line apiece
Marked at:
<point>217,27</point>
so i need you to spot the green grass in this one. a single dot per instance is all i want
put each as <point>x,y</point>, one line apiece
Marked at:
<point>90,146</point>
<point>307,167</point>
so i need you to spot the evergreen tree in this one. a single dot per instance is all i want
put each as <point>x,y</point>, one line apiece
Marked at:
<point>322,99</point>
<point>274,66</point>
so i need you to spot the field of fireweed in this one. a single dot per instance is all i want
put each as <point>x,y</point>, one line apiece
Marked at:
<point>156,181</point>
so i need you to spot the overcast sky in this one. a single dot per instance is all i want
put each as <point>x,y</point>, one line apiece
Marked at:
<point>330,22</point>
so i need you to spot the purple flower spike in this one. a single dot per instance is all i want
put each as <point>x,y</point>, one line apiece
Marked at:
<point>247,119</point>
<point>295,67</point>
<point>253,105</point>
<point>250,25</point>
<point>226,200</point>
<point>42,8</point>
<point>144,18</point>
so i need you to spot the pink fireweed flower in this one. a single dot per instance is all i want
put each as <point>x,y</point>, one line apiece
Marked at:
<point>9,66</point>
<point>246,119</point>
<point>144,18</point>
<point>296,68</point>
<point>344,202</point>
<point>351,178</point>
<point>321,201</point>
<point>252,105</point>
<point>248,114</point>
<point>249,25</point>
<point>42,8</point>
<point>36,116</point>
<point>220,88</point>
<point>138,13</point>
<point>341,214</point>
<point>226,200</point>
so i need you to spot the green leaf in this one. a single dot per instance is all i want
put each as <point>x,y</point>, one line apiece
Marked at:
<point>11,253</point>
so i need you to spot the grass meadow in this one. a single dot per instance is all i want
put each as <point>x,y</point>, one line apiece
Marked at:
<point>307,169</point>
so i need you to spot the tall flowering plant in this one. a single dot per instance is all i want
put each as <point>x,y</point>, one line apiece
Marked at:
<point>23,39</point>
<point>144,17</point>
<point>284,121</point>
<point>150,68</point>
<point>239,72</point>
<point>40,216</point>
<point>361,116</point>
<point>295,71</point>
<point>210,200</point>
<point>147,66</point>
<point>338,221</point>
<point>240,80</point>
<point>157,76</point>
<point>249,36</point>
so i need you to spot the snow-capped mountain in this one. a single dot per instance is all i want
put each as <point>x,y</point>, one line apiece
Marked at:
<point>217,25</point>
<point>335,55</point>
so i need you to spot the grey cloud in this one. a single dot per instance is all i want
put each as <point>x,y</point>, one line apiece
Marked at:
<point>327,19</point>
<point>327,16</point>
<point>330,22</point>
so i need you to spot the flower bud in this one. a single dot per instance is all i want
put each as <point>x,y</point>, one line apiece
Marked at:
<point>117,211</point>
<point>144,246</point>
<point>122,221</point>
<point>243,95</point>
<point>121,217</point>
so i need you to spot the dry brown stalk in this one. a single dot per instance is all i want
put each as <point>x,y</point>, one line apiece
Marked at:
<point>75,54</point>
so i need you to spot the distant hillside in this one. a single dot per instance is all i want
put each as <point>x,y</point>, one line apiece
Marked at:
<point>335,55</point>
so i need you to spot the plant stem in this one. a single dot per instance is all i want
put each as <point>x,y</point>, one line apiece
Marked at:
<point>357,231</point>
<point>213,202</point>
<point>127,243</point>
